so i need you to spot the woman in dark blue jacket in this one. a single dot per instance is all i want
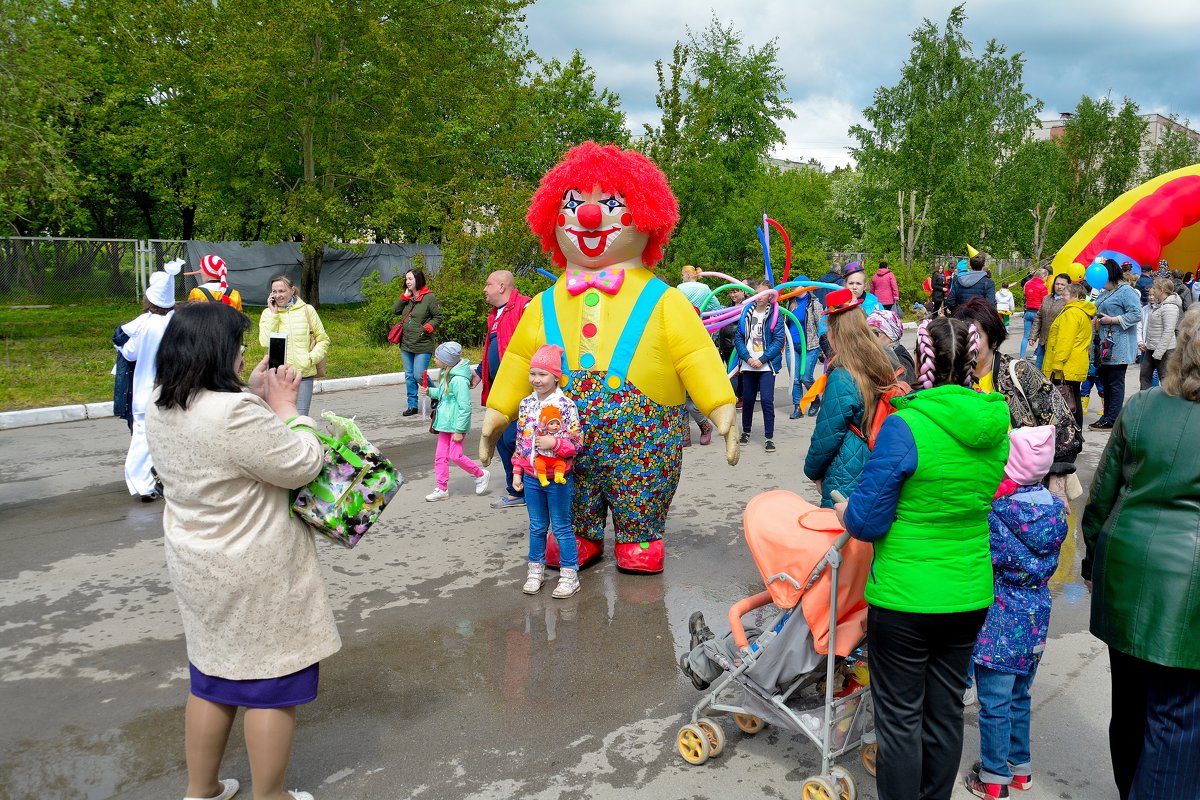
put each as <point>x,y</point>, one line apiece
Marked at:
<point>760,340</point>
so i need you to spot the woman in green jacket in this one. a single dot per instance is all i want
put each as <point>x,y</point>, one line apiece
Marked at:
<point>1141,529</point>
<point>420,315</point>
<point>923,500</point>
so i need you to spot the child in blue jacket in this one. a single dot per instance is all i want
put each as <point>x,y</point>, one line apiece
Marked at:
<point>759,341</point>
<point>1028,525</point>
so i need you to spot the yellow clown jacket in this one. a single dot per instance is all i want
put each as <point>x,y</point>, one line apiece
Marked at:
<point>675,355</point>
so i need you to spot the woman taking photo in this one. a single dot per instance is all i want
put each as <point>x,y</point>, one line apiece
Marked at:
<point>923,500</point>
<point>244,569</point>
<point>1118,312</point>
<point>307,341</point>
<point>1141,530</point>
<point>420,315</point>
<point>859,374</point>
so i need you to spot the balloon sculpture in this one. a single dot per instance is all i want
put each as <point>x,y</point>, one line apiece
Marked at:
<point>634,348</point>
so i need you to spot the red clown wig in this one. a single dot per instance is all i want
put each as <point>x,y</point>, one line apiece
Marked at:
<point>647,196</point>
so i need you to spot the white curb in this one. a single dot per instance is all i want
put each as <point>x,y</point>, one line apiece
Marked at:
<point>77,413</point>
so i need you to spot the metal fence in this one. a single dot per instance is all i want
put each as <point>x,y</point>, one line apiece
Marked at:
<point>54,270</point>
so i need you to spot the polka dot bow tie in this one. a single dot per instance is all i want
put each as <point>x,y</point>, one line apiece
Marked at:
<point>606,280</point>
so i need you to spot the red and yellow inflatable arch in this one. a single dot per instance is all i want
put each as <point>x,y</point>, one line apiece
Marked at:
<point>1158,220</point>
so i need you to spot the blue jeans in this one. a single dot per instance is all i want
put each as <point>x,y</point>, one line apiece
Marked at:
<point>506,446</point>
<point>759,385</point>
<point>304,399</point>
<point>1030,316</point>
<point>1039,355</point>
<point>804,382</point>
<point>551,506</point>
<point>415,365</point>
<point>1004,711</point>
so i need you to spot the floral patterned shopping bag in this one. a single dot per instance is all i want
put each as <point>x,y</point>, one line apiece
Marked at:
<point>354,486</point>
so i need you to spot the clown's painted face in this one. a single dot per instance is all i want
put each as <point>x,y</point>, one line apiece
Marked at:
<point>596,230</point>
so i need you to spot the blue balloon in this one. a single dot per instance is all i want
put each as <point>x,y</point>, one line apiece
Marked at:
<point>1096,276</point>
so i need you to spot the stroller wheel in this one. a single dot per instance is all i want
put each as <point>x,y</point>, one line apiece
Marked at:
<point>816,788</point>
<point>869,752</point>
<point>716,736</point>
<point>749,723</point>
<point>844,783</point>
<point>692,743</point>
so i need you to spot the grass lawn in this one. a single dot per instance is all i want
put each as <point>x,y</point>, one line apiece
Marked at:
<point>63,354</point>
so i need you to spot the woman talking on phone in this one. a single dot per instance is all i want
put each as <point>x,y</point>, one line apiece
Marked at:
<point>307,342</point>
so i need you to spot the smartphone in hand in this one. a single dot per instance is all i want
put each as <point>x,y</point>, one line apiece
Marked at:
<point>277,350</point>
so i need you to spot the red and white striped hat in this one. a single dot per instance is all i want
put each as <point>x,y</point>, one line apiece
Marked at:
<point>213,267</point>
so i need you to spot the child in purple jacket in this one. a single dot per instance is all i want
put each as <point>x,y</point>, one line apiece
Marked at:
<point>1028,525</point>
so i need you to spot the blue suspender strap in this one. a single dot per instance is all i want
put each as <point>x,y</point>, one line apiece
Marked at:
<point>631,334</point>
<point>550,322</point>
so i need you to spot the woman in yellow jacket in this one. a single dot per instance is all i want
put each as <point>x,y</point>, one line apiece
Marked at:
<point>307,342</point>
<point>1069,346</point>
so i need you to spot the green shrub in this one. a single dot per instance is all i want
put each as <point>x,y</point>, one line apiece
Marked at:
<point>464,311</point>
<point>376,317</point>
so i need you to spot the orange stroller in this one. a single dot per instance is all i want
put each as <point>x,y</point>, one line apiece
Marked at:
<point>814,574</point>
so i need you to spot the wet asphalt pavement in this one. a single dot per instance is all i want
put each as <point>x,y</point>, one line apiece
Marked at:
<point>451,683</point>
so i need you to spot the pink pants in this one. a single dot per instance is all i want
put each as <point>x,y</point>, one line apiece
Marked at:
<point>449,450</point>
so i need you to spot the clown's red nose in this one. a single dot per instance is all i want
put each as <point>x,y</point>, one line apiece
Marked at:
<point>589,215</point>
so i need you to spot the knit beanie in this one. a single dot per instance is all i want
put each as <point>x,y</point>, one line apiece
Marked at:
<point>549,359</point>
<point>1030,454</point>
<point>548,413</point>
<point>448,353</point>
<point>161,289</point>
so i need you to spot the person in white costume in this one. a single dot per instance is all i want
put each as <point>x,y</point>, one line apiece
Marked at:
<point>145,333</point>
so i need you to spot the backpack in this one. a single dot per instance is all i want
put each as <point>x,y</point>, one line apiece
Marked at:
<point>883,410</point>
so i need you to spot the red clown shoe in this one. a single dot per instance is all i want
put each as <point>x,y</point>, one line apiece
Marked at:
<point>644,558</point>
<point>589,552</point>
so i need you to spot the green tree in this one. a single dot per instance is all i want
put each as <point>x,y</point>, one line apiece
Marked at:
<point>944,131</point>
<point>722,104</point>
<point>1175,150</point>
<point>558,108</point>
<point>1102,145</point>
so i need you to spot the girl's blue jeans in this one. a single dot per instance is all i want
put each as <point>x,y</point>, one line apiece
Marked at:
<point>803,383</point>
<point>1004,711</point>
<point>550,507</point>
<point>415,365</point>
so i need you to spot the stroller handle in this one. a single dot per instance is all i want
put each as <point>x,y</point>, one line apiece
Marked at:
<point>745,606</point>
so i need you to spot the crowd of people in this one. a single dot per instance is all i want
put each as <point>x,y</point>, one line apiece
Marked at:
<point>957,460</point>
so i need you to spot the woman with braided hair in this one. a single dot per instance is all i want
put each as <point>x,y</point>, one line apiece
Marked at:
<point>923,500</point>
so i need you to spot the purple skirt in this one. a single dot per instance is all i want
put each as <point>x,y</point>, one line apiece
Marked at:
<point>282,692</point>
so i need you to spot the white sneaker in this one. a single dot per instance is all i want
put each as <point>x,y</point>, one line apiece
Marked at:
<point>481,483</point>
<point>229,787</point>
<point>568,583</point>
<point>299,795</point>
<point>534,578</point>
<point>437,494</point>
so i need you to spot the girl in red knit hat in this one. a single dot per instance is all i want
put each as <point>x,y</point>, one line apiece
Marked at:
<point>548,437</point>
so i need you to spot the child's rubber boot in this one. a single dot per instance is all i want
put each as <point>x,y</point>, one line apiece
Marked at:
<point>589,551</point>
<point>568,584</point>
<point>1085,404</point>
<point>706,432</point>
<point>640,558</point>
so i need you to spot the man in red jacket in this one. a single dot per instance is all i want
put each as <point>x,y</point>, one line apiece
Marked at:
<point>507,307</point>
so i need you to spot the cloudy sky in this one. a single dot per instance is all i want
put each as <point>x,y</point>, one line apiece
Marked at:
<point>835,54</point>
